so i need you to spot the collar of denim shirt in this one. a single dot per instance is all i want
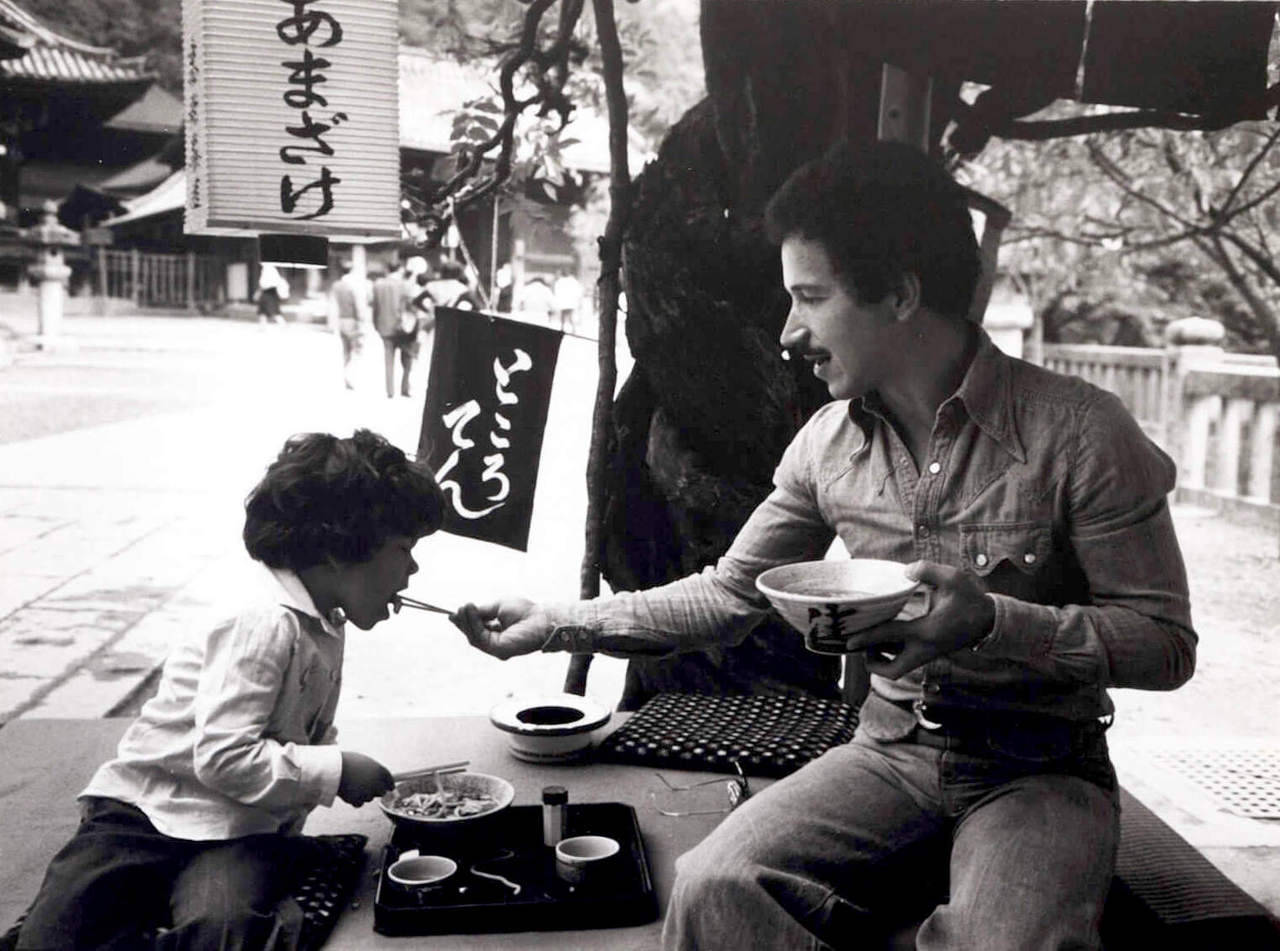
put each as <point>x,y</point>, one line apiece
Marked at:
<point>985,394</point>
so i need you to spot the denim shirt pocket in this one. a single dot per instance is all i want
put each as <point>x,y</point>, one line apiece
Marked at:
<point>1026,546</point>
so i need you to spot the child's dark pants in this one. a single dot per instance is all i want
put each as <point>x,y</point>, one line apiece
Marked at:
<point>119,881</point>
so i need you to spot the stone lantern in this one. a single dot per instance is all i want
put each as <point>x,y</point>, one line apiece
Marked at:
<point>50,271</point>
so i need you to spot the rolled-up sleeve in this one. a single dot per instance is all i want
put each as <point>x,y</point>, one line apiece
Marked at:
<point>241,681</point>
<point>718,605</point>
<point>1136,629</point>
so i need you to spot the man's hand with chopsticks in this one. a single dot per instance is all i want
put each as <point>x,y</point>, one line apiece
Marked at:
<point>504,629</point>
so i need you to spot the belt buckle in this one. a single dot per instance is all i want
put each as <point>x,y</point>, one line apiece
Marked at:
<point>918,707</point>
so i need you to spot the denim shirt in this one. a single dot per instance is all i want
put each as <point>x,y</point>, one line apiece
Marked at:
<point>1041,485</point>
<point>238,739</point>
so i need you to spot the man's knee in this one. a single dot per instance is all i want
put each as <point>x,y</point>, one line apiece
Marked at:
<point>716,870</point>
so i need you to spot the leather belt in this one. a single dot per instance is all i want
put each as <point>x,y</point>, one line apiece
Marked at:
<point>960,728</point>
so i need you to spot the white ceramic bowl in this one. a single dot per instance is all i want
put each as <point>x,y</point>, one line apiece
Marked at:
<point>414,869</point>
<point>828,600</point>
<point>549,729</point>
<point>464,783</point>
<point>577,857</point>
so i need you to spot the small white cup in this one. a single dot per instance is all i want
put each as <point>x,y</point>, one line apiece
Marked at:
<point>580,857</point>
<point>414,869</point>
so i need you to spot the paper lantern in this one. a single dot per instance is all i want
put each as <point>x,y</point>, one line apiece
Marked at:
<point>292,117</point>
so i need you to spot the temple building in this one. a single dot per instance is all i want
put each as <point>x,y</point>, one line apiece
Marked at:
<point>73,117</point>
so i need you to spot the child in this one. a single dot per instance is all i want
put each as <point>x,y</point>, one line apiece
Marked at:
<point>192,830</point>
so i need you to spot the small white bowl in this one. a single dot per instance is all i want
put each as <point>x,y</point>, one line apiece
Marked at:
<point>578,857</point>
<point>549,729</point>
<point>414,869</point>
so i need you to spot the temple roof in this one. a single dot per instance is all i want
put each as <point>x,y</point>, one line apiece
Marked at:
<point>155,111</point>
<point>30,51</point>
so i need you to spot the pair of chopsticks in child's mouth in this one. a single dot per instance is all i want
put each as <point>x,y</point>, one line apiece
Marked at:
<point>404,601</point>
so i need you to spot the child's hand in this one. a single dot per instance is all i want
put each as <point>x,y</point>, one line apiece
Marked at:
<point>363,778</point>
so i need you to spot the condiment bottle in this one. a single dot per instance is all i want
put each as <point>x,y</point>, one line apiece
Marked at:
<point>554,799</point>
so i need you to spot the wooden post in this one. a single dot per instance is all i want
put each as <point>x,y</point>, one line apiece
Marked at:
<point>995,218</point>
<point>101,260</point>
<point>610,287</point>
<point>905,115</point>
<point>517,276</point>
<point>191,280</point>
<point>493,253</point>
<point>135,264</point>
<point>905,101</point>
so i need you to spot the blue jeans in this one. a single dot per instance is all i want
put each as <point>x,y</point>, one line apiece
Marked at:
<point>876,833</point>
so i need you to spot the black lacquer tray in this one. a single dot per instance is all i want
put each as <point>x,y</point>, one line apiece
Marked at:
<point>512,848</point>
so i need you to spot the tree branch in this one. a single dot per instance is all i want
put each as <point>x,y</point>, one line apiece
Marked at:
<point>1263,314</point>
<point>1254,162</point>
<point>550,72</point>
<point>610,284</point>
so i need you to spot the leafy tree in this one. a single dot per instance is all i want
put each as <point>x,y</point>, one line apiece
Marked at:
<point>1119,232</point>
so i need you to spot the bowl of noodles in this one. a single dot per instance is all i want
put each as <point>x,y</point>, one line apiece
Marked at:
<point>460,801</point>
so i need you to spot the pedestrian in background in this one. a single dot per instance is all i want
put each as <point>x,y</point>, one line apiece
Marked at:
<point>348,315</point>
<point>424,307</point>
<point>537,300</point>
<point>395,320</point>
<point>567,292</point>
<point>450,289</point>
<point>272,289</point>
<point>506,288</point>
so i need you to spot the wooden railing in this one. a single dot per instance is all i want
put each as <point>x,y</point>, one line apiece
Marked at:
<point>188,280</point>
<point>1216,413</point>
<point>1135,374</point>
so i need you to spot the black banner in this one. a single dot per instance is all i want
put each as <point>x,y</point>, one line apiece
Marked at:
<point>486,410</point>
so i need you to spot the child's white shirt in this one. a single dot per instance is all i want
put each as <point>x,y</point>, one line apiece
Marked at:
<point>238,739</point>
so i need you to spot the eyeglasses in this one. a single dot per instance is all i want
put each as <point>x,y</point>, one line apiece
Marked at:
<point>693,799</point>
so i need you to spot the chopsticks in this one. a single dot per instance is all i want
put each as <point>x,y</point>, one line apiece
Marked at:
<point>442,769</point>
<point>401,601</point>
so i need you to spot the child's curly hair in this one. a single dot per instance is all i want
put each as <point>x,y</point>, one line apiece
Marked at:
<point>329,498</point>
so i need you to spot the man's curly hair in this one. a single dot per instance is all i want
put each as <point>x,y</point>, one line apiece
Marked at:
<point>330,498</point>
<point>883,210</point>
